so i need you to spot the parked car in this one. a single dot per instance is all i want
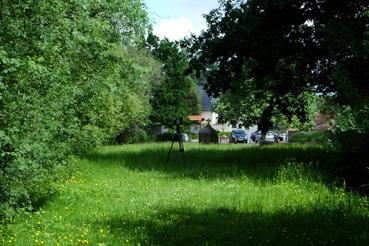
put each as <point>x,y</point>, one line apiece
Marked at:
<point>238,136</point>
<point>282,137</point>
<point>270,137</point>
<point>255,136</point>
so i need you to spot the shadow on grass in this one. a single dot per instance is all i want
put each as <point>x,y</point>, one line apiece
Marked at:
<point>209,163</point>
<point>230,227</point>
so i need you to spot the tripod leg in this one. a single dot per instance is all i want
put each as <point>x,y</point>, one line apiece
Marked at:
<point>181,147</point>
<point>171,147</point>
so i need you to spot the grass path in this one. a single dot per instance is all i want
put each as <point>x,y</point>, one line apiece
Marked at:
<point>217,195</point>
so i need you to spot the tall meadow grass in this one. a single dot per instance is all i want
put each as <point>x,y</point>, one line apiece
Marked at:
<point>210,195</point>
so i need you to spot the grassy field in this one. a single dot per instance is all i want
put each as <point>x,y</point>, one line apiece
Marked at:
<point>212,195</point>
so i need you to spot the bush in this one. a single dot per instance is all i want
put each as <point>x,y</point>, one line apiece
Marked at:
<point>167,136</point>
<point>67,84</point>
<point>351,161</point>
<point>133,135</point>
<point>194,136</point>
<point>310,138</point>
<point>140,136</point>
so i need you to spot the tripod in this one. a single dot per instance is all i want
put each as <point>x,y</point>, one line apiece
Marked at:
<point>178,135</point>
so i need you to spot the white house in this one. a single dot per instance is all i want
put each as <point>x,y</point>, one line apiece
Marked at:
<point>208,115</point>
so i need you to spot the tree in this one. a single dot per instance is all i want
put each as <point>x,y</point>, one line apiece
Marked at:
<point>70,79</point>
<point>268,55</point>
<point>176,95</point>
<point>248,113</point>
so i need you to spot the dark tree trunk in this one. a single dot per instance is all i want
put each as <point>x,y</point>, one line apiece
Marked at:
<point>265,122</point>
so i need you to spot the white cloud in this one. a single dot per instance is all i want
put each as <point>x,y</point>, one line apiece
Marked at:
<point>177,28</point>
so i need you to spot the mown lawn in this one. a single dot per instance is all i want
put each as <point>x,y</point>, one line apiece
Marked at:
<point>213,195</point>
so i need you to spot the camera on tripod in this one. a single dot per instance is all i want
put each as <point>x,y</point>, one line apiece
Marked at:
<point>178,122</point>
<point>177,136</point>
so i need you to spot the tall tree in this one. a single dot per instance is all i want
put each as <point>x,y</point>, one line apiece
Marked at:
<point>69,79</point>
<point>268,54</point>
<point>176,95</point>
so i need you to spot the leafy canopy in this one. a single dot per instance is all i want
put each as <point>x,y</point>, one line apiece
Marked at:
<point>176,95</point>
<point>265,57</point>
<point>71,77</point>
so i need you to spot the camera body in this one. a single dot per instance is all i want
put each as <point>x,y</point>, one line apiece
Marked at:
<point>177,136</point>
<point>178,122</point>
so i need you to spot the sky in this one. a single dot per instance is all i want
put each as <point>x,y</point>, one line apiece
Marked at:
<point>175,19</point>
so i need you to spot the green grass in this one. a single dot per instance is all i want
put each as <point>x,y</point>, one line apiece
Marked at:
<point>213,195</point>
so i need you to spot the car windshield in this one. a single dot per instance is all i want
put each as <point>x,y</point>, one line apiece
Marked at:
<point>238,132</point>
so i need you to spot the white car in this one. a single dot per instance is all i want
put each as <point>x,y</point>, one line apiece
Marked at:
<point>270,137</point>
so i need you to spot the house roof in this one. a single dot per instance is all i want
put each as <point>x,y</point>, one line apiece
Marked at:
<point>198,118</point>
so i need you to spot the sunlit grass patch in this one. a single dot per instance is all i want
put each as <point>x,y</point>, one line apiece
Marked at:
<point>215,195</point>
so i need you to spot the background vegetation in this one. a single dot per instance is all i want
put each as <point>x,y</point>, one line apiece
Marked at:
<point>272,56</point>
<point>273,62</point>
<point>73,75</point>
<point>315,138</point>
<point>177,95</point>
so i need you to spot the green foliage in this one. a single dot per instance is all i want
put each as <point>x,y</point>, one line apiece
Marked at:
<point>71,77</point>
<point>133,135</point>
<point>266,56</point>
<point>346,118</point>
<point>348,140</point>
<point>351,158</point>
<point>226,107</point>
<point>321,138</point>
<point>194,136</point>
<point>140,136</point>
<point>176,95</point>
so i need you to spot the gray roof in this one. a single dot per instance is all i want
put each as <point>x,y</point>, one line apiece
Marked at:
<point>206,100</point>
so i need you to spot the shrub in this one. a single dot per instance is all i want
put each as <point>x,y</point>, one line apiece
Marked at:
<point>351,160</point>
<point>140,136</point>
<point>132,135</point>
<point>194,135</point>
<point>70,77</point>
<point>310,138</point>
<point>167,136</point>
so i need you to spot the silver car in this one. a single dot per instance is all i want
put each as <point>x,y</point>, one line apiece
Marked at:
<point>270,137</point>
